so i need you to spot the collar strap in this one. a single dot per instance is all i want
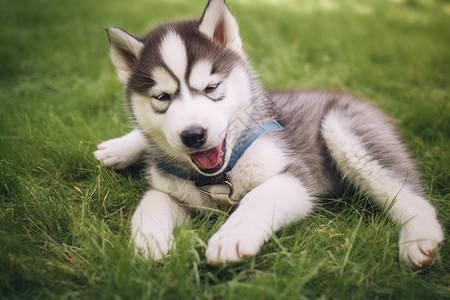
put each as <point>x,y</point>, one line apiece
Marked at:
<point>244,141</point>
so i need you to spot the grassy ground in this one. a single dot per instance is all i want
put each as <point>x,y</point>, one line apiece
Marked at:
<point>64,219</point>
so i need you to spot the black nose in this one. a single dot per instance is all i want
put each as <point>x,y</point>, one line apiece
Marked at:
<point>194,137</point>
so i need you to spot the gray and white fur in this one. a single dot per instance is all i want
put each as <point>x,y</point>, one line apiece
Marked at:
<point>191,92</point>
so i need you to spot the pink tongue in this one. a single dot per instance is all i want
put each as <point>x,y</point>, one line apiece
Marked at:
<point>208,159</point>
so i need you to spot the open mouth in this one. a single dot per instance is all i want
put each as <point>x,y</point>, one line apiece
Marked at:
<point>210,161</point>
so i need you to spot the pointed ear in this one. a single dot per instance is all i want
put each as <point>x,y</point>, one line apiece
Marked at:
<point>125,52</point>
<point>219,24</point>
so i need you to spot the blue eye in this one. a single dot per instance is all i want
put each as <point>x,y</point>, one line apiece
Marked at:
<point>163,97</point>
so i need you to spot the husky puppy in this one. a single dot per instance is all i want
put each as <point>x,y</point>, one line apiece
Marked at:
<point>214,137</point>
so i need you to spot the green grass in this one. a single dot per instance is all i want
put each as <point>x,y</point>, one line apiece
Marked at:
<point>64,219</point>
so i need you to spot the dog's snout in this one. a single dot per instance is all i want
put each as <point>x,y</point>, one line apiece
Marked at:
<point>194,137</point>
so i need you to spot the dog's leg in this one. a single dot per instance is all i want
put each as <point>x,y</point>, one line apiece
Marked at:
<point>421,234</point>
<point>280,200</point>
<point>122,152</point>
<point>153,223</point>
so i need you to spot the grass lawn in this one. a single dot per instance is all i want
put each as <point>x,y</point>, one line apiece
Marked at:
<point>64,218</point>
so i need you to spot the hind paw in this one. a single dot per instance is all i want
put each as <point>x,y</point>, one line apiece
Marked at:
<point>419,254</point>
<point>420,243</point>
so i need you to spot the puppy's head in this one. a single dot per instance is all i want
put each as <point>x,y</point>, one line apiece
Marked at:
<point>187,84</point>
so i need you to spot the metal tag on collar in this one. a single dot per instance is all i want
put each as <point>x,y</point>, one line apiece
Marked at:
<point>211,196</point>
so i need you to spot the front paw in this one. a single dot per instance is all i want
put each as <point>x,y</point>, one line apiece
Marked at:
<point>153,223</point>
<point>150,238</point>
<point>151,229</point>
<point>233,243</point>
<point>152,245</point>
<point>117,153</point>
<point>420,243</point>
